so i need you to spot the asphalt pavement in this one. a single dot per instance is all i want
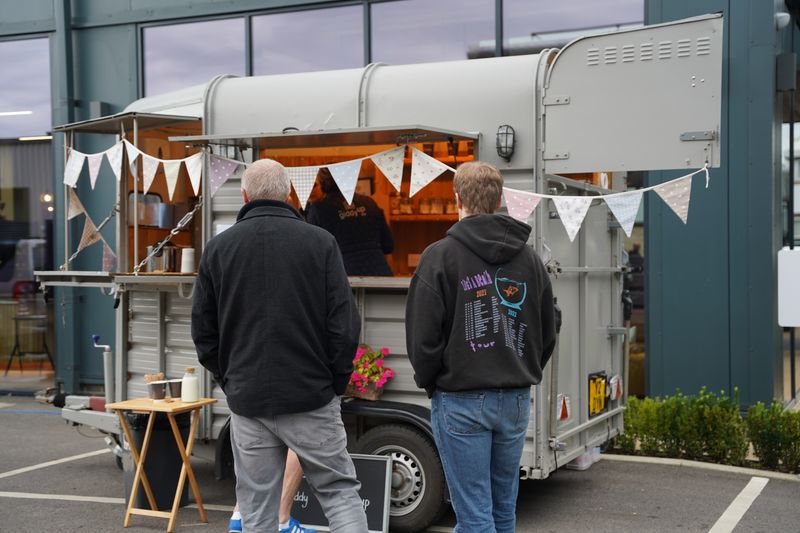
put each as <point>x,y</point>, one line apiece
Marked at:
<point>56,478</point>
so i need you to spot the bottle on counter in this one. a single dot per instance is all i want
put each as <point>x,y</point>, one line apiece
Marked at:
<point>190,386</point>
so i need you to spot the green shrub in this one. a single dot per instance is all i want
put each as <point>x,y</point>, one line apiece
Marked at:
<point>775,435</point>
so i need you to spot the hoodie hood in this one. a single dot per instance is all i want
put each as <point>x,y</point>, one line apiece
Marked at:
<point>494,238</point>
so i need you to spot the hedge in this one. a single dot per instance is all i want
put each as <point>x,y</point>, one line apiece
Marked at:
<point>709,427</point>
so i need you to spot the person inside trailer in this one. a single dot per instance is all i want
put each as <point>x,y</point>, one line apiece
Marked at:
<point>360,228</point>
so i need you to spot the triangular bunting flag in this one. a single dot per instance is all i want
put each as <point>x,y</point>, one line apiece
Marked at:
<point>346,177</point>
<point>424,169</point>
<point>625,206</point>
<point>75,206</point>
<point>520,204</point>
<point>171,170</point>
<point>133,153</point>
<point>676,194</point>
<point>109,258</point>
<point>303,179</point>
<point>73,167</point>
<point>114,155</point>
<point>390,163</point>
<point>220,170</point>
<point>149,169</point>
<point>90,234</point>
<point>572,210</point>
<point>94,166</point>
<point>194,166</point>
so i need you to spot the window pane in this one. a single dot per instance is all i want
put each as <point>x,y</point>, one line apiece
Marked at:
<point>554,24</point>
<point>305,41</point>
<point>182,55</point>
<point>25,88</point>
<point>416,31</point>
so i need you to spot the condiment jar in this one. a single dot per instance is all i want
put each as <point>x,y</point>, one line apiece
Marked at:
<point>190,386</point>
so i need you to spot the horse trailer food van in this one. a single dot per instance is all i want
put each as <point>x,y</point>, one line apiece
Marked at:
<point>644,99</point>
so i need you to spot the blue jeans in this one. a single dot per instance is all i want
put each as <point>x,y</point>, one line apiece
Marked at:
<point>480,435</point>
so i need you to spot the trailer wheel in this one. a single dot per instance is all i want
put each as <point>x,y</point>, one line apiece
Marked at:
<point>418,487</point>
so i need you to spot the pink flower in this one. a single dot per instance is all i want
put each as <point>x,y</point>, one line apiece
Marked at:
<point>361,351</point>
<point>379,363</point>
<point>362,389</point>
<point>390,373</point>
<point>385,351</point>
<point>356,358</point>
<point>365,364</point>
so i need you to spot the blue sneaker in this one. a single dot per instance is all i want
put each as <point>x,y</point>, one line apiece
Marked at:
<point>295,527</point>
<point>235,525</point>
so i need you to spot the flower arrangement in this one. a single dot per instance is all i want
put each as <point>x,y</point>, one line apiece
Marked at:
<point>370,373</point>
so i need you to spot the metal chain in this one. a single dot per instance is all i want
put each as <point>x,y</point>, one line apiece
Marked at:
<point>114,211</point>
<point>182,224</point>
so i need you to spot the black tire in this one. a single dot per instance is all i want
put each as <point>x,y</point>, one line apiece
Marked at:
<point>418,486</point>
<point>118,460</point>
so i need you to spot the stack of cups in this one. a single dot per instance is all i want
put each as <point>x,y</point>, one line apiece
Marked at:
<point>187,260</point>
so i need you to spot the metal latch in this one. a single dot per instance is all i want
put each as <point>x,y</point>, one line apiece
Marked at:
<point>612,331</point>
<point>708,135</point>
<point>556,155</point>
<point>556,100</point>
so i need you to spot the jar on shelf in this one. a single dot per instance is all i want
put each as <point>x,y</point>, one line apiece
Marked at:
<point>394,203</point>
<point>437,206</point>
<point>424,206</point>
<point>450,207</point>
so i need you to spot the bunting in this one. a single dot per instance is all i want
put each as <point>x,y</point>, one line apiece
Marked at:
<point>625,206</point>
<point>90,235</point>
<point>676,194</point>
<point>133,153</point>
<point>220,170</point>
<point>572,210</point>
<point>346,177</point>
<point>75,206</point>
<point>194,167</point>
<point>95,160</point>
<point>114,155</point>
<point>73,168</point>
<point>149,169</point>
<point>171,170</point>
<point>424,169</point>
<point>390,164</point>
<point>109,258</point>
<point>303,179</point>
<point>520,204</point>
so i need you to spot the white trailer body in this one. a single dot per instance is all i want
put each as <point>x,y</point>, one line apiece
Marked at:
<point>643,99</point>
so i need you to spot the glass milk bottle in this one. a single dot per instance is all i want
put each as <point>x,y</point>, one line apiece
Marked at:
<point>190,386</point>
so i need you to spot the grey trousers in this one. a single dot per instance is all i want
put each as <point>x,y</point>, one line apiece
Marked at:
<point>318,438</point>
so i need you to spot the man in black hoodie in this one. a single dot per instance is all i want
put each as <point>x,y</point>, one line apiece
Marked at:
<point>480,328</point>
<point>275,322</point>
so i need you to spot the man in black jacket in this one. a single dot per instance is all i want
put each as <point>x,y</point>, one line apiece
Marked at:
<point>275,322</point>
<point>480,328</point>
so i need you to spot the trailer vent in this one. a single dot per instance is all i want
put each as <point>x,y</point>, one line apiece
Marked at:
<point>610,55</point>
<point>684,48</point>
<point>646,52</point>
<point>628,53</point>
<point>665,50</point>
<point>593,57</point>
<point>703,46</point>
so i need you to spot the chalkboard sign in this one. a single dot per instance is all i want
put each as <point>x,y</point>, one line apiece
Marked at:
<point>375,474</point>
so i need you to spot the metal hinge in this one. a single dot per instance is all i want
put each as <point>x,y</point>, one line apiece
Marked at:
<point>556,100</point>
<point>707,135</point>
<point>556,155</point>
<point>612,331</point>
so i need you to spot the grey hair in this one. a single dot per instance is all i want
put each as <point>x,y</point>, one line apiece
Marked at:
<point>266,179</point>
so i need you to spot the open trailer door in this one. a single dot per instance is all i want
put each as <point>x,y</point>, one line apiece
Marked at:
<point>645,99</point>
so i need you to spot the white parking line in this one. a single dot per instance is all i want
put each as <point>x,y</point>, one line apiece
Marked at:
<point>739,506</point>
<point>98,499</point>
<point>51,463</point>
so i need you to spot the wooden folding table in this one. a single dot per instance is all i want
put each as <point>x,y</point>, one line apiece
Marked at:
<point>146,405</point>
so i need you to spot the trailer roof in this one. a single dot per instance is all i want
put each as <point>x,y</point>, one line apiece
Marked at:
<point>338,137</point>
<point>111,124</point>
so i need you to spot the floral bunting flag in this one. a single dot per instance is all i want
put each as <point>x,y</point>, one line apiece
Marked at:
<point>95,160</point>
<point>109,258</point>
<point>572,210</point>
<point>520,204</point>
<point>220,170</point>
<point>676,194</point>
<point>346,177</point>
<point>90,234</point>
<point>303,179</point>
<point>171,169</point>
<point>390,163</point>
<point>424,169</point>
<point>73,167</point>
<point>149,169</point>
<point>194,166</point>
<point>75,206</point>
<point>625,206</point>
<point>114,155</point>
<point>133,153</point>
